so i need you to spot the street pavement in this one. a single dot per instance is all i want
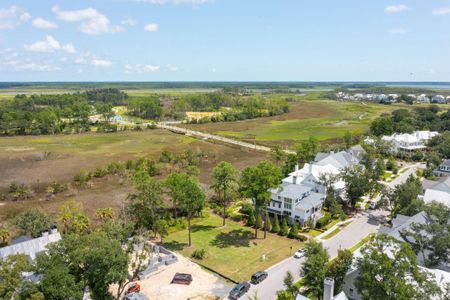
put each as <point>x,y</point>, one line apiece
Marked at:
<point>363,224</point>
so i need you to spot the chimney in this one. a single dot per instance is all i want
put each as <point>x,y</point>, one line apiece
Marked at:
<point>294,179</point>
<point>53,229</point>
<point>328,288</point>
<point>45,233</point>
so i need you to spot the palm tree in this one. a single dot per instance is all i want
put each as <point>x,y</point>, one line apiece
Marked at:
<point>104,213</point>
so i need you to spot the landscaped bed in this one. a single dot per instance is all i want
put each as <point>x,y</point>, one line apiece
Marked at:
<point>231,250</point>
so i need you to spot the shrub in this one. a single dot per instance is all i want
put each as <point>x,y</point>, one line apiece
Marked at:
<point>82,179</point>
<point>56,187</point>
<point>199,254</point>
<point>251,219</point>
<point>268,224</point>
<point>259,220</point>
<point>293,233</point>
<point>276,225</point>
<point>302,238</point>
<point>324,220</point>
<point>284,230</point>
<point>246,208</point>
<point>100,172</point>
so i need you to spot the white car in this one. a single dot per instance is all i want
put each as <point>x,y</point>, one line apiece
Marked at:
<point>300,253</point>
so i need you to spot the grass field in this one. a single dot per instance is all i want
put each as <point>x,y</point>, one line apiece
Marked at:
<point>324,119</point>
<point>230,250</point>
<point>39,160</point>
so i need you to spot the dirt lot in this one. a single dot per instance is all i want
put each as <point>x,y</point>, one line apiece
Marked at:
<point>204,285</point>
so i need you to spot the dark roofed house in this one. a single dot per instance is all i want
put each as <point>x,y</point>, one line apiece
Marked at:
<point>443,169</point>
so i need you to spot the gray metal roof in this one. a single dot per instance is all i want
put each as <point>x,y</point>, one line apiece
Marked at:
<point>402,223</point>
<point>290,190</point>
<point>30,247</point>
<point>313,200</point>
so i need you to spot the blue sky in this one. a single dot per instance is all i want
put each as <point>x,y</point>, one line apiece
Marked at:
<point>230,40</point>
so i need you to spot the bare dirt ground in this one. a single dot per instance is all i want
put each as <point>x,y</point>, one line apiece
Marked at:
<point>204,285</point>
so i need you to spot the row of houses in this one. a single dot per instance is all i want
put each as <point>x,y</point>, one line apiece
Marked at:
<point>301,195</point>
<point>392,98</point>
<point>406,142</point>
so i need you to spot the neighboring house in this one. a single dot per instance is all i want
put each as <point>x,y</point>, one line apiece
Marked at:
<point>30,247</point>
<point>437,191</point>
<point>438,99</point>
<point>301,195</point>
<point>409,142</point>
<point>443,169</point>
<point>441,277</point>
<point>423,99</point>
<point>401,224</point>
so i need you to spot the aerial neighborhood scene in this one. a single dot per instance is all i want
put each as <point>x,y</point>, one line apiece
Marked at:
<point>224,149</point>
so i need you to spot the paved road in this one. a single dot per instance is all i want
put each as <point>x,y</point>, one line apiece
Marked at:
<point>362,225</point>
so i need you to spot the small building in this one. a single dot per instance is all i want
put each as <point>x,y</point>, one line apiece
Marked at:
<point>443,169</point>
<point>423,99</point>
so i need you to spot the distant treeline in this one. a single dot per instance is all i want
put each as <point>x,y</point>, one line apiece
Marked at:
<point>232,107</point>
<point>69,113</point>
<point>50,114</point>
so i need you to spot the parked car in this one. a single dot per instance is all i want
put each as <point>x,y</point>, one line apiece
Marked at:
<point>239,290</point>
<point>258,277</point>
<point>182,278</point>
<point>300,253</point>
<point>372,205</point>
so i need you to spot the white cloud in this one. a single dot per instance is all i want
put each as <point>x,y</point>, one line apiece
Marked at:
<point>12,17</point>
<point>44,24</point>
<point>102,63</point>
<point>172,68</point>
<point>50,45</point>
<point>398,31</point>
<point>20,65</point>
<point>130,69</point>
<point>178,2</point>
<point>152,27</point>
<point>441,11</point>
<point>91,59</point>
<point>394,9</point>
<point>91,21</point>
<point>128,22</point>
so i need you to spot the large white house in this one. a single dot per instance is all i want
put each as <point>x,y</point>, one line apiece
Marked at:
<point>409,142</point>
<point>301,195</point>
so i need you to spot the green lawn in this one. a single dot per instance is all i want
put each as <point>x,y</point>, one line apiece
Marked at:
<point>230,250</point>
<point>361,242</point>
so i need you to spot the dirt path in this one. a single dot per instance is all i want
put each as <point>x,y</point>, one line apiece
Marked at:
<point>207,136</point>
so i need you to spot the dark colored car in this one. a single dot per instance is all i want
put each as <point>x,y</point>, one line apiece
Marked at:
<point>239,290</point>
<point>258,277</point>
<point>182,278</point>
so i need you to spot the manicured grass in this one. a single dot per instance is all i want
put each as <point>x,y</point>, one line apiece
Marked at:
<point>361,243</point>
<point>331,224</point>
<point>231,250</point>
<point>331,234</point>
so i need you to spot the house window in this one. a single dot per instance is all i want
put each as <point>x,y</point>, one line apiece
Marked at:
<point>287,203</point>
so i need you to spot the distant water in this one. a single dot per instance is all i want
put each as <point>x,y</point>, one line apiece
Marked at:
<point>426,85</point>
